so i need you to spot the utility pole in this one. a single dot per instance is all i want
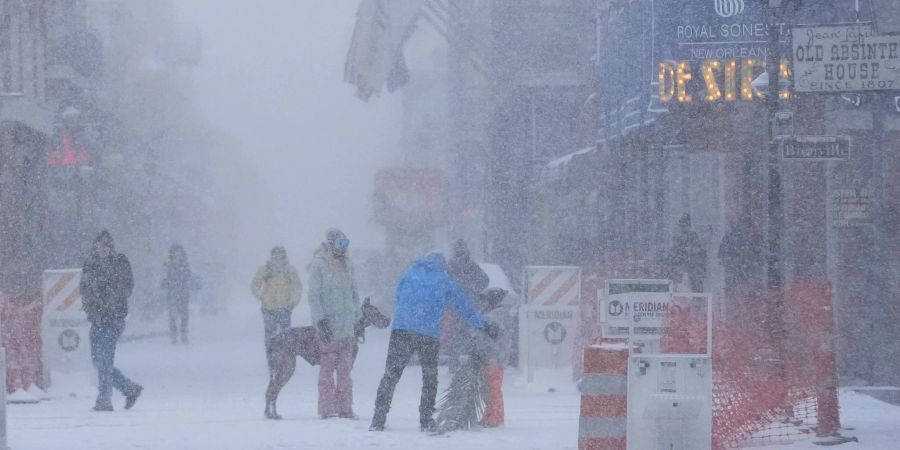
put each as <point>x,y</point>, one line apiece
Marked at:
<point>774,209</point>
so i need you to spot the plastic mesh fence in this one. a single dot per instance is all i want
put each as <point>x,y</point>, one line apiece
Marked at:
<point>765,391</point>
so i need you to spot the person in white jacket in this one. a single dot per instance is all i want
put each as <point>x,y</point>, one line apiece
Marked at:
<point>334,306</point>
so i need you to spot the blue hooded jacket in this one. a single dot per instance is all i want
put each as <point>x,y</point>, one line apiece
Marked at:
<point>423,292</point>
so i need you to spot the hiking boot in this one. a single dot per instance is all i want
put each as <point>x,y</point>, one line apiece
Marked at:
<point>377,423</point>
<point>428,426</point>
<point>131,398</point>
<point>102,408</point>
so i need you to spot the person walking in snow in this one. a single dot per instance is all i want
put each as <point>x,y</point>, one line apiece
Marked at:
<point>422,294</point>
<point>278,288</point>
<point>177,285</point>
<point>106,284</point>
<point>334,308</point>
<point>688,255</point>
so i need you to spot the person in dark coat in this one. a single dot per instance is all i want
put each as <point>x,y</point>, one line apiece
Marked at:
<point>472,279</point>
<point>106,284</point>
<point>422,296</point>
<point>688,255</point>
<point>177,285</point>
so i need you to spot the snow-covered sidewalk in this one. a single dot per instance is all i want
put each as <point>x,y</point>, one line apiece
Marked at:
<point>209,395</point>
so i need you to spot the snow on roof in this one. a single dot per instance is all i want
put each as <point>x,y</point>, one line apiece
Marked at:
<point>563,160</point>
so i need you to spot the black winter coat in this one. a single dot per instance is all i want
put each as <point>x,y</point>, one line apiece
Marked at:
<point>178,282</point>
<point>469,275</point>
<point>106,284</point>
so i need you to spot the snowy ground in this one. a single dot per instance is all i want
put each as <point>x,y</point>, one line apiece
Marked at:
<point>209,395</point>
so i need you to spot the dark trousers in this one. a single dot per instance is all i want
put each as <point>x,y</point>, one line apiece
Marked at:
<point>178,315</point>
<point>401,347</point>
<point>275,321</point>
<point>103,354</point>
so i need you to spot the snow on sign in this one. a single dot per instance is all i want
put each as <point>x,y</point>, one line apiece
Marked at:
<point>844,58</point>
<point>64,324</point>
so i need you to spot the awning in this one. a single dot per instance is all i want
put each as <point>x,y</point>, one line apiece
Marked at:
<point>555,170</point>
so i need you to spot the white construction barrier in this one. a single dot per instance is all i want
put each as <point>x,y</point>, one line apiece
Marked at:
<point>670,396</point>
<point>64,324</point>
<point>549,318</point>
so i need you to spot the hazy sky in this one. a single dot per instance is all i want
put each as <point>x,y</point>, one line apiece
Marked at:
<point>272,76</point>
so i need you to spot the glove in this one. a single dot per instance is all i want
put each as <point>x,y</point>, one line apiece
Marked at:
<point>359,330</point>
<point>325,333</point>
<point>492,330</point>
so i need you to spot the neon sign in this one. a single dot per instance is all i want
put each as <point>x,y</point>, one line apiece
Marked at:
<point>717,80</point>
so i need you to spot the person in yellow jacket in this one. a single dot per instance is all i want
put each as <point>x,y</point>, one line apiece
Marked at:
<point>278,288</point>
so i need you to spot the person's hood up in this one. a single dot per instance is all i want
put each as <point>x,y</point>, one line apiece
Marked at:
<point>105,238</point>
<point>461,250</point>
<point>432,262</point>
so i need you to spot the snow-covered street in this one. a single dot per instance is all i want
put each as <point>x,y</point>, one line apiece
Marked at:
<point>209,394</point>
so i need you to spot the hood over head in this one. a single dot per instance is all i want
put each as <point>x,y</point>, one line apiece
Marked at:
<point>461,250</point>
<point>432,262</point>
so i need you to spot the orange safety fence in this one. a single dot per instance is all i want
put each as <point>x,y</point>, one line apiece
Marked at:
<point>767,390</point>
<point>21,337</point>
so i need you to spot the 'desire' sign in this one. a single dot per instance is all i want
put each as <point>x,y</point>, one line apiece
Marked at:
<point>844,58</point>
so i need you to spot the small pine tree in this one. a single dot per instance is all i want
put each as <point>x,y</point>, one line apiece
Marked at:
<point>463,402</point>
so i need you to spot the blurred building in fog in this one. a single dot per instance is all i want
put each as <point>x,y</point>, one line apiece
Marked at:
<point>98,133</point>
<point>564,148</point>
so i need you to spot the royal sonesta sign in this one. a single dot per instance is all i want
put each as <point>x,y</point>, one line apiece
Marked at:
<point>710,50</point>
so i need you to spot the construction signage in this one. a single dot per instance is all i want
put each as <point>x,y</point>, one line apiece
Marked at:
<point>844,58</point>
<point>547,336</point>
<point>65,327</point>
<point>552,285</point>
<point>549,318</point>
<point>636,308</point>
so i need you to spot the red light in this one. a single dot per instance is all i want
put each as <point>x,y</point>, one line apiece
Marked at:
<point>69,154</point>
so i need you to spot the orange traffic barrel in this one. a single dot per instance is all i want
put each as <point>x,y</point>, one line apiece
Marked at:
<point>604,397</point>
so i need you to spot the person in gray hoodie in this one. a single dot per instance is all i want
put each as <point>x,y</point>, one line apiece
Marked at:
<point>334,306</point>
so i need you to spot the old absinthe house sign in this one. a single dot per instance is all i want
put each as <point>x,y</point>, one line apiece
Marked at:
<point>845,58</point>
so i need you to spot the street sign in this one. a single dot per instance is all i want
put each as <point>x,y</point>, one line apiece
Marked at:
<point>783,125</point>
<point>844,58</point>
<point>851,207</point>
<point>815,147</point>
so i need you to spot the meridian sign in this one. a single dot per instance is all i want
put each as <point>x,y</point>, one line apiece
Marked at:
<point>710,50</point>
<point>845,58</point>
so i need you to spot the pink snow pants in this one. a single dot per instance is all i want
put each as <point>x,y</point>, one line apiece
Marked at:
<point>335,385</point>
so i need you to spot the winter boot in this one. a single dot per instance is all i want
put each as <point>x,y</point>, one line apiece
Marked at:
<point>427,425</point>
<point>378,422</point>
<point>132,397</point>
<point>102,407</point>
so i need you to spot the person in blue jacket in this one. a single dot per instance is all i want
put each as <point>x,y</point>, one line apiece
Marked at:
<point>424,291</point>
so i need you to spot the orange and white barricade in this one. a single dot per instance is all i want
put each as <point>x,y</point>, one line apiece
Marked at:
<point>604,401</point>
